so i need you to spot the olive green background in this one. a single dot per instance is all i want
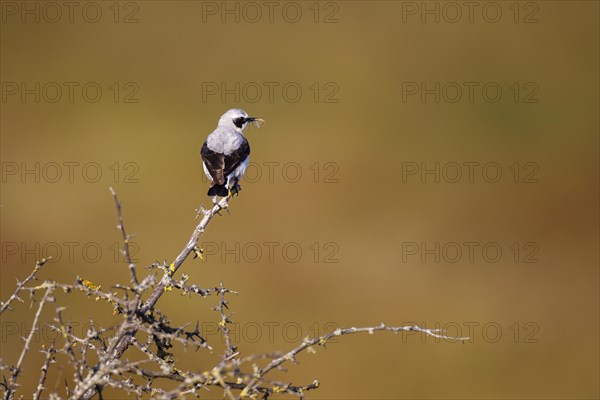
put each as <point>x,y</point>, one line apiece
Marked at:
<point>547,310</point>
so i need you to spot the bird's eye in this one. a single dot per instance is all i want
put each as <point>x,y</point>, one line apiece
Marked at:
<point>239,122</point>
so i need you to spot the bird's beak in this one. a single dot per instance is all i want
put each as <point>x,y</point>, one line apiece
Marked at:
<point>256,121</point>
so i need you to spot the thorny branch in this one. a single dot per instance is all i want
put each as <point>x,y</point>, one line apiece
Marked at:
<point>124,341</point>
<point>222,308</point>
<point>189,248</point>
<point>49,360</point>
<point>126,239</point>
<point>21,285</point>
<point>146,330</point>
<point>16,370</point>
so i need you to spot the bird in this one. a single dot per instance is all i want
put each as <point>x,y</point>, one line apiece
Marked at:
<point>225,152</point>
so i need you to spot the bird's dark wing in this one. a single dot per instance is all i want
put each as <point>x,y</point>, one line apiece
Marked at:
<point>215,164</point>
<point>233,160</point>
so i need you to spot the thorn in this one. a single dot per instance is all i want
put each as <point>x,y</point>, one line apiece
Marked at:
<point>198,252</point>
<point>199,211</point>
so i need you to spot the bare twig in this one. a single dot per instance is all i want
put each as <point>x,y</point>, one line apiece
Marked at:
<point>189,248</point>
<point>21,285</point>
<point>322,341</point>
<point>230,349</point>
<point>16,370</point>
<point>126,239</point>
<point>49,360</point>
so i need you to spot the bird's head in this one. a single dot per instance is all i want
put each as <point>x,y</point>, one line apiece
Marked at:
<point>238,119</point>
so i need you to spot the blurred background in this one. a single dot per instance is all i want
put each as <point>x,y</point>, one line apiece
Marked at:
<point>422,163</point>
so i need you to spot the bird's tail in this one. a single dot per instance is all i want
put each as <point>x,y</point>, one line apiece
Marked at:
<point>218,190</point>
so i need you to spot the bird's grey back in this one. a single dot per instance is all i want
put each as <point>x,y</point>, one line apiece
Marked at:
<point>224,140</point>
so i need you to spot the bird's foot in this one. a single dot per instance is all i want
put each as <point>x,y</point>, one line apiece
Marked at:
<point>235,190</point>
<point>215,201</point>
<point>220,205</point>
